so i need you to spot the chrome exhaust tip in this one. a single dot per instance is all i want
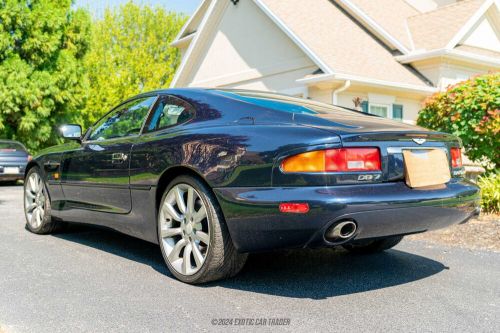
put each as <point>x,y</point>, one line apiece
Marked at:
<point>341,231</point>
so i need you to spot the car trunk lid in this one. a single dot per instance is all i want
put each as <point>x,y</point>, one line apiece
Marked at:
<point>391,137</point>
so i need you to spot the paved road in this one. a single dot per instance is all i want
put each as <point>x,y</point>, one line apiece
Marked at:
<point>95,280</point>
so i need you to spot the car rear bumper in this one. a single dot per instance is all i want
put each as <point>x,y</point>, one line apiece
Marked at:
<point>379,210</point>
<point>10,177</point>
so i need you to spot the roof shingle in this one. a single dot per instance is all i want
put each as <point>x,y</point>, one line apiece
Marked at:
<point>435,29</point>
<point>391,15</point>
<point>339,41</point>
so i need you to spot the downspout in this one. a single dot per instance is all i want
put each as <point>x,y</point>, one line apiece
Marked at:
<point>346,86</point>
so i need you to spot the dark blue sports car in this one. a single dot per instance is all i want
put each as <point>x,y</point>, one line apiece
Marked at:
<point>211,175</point>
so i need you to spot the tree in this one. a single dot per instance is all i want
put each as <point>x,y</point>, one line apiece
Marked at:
<point>42,80</point>
<point>130,53</point>
<point>470,110</point>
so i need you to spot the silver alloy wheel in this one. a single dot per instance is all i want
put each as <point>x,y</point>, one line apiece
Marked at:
<point>184,229</point>
<point>34,200</point>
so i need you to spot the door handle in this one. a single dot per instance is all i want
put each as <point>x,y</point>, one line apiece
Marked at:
<point>117,158</point>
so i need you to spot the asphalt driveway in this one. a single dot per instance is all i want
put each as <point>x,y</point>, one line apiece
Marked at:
<point>95,280</point>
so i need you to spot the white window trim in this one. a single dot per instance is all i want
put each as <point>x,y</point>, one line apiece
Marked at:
<point>388,106</point>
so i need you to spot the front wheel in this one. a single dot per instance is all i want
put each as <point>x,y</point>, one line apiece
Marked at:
<point>373,246</point>
<point>37,204</point>
<point>193,235</point>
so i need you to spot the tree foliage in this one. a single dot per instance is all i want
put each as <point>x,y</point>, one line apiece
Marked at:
<point>130,53</point>
<point>42,81</point>
<point>470,110</point>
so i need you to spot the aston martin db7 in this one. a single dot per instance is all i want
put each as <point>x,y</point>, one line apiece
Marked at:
<point>212,175</point>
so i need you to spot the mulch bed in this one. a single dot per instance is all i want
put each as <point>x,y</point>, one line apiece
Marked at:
<point>481,233</point>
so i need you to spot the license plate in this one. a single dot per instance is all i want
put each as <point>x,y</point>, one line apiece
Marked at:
<point>426,167</point>
<point>11,170</point>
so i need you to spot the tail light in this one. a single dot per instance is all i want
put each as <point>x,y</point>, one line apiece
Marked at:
<point>334,160</point>
<point>456,157</point>
<point>30,158</point>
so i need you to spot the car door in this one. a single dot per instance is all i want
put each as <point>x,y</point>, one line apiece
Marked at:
<point>95,175</point>
<point>161,137</point>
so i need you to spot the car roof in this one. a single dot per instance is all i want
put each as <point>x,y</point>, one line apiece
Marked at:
<point>13,141</point>
<point>217,91</point>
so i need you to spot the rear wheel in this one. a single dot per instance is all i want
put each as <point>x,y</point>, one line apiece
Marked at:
<point>373,246</point>
<point>37,204</point>
<point>193,235</point>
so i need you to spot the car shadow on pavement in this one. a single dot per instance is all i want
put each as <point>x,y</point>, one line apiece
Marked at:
<point>305,273</point>
<point>323,273</point>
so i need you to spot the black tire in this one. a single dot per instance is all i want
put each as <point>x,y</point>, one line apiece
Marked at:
<point>222,259</point>
<point>373,246</point>
<point>47,225</point>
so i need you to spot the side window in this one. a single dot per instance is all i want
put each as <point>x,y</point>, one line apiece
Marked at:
<point>170,111</point>
<point>126,120</point>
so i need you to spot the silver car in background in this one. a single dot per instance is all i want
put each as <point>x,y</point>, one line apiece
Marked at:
<point>13,160</point>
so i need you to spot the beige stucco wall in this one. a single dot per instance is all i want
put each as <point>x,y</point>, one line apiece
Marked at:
<point>249,50</point>
<point>443,72</point>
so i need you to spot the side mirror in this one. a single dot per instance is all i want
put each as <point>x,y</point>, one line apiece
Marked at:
<point>71,132</point>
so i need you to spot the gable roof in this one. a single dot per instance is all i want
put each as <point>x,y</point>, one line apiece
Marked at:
<point>338,40</point>
<point>391,15</point>
<point>447,20</point>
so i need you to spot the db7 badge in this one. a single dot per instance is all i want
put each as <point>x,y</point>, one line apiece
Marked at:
<point>368,177</point>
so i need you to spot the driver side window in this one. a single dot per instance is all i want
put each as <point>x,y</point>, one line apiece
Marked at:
<point>126,120</point>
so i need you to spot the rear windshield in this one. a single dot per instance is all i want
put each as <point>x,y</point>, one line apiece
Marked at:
<point>281,102</point>
<point>11,146</point>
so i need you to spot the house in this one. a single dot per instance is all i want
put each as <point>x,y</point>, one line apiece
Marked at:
<point>384,57</point>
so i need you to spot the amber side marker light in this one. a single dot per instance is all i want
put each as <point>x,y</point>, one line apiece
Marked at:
<point>456,157</point>
<point>334,160</point>
<point>294,207</point>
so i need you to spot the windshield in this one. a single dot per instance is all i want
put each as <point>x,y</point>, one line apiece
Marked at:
<point>11,146</point>
<point>281,102</point>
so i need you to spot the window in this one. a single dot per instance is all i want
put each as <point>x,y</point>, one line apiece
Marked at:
<point>397,112</point>
<point>384,110</point>
<point>379,109</point>
<point>10,146</point>
<point>170,111</point>
<point>126,120</point>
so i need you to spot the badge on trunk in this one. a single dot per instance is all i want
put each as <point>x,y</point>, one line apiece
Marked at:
<point>419,140</point>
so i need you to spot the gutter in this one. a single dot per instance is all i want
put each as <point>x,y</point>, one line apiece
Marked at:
<point>183,40</point>
<point>449,53</point>
<point>422,89</point>
<point>346,86</point>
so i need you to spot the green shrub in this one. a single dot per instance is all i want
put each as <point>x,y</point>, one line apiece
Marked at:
<point>471,111</point>
<point>490,193</point>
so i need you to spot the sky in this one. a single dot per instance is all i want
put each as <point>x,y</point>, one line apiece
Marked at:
<point>97,6</point>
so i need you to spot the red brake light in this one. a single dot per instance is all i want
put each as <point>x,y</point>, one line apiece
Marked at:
<point>293,207</point>
<point>334,160</point>
<point>353,159</point>
<point>456,157</point>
